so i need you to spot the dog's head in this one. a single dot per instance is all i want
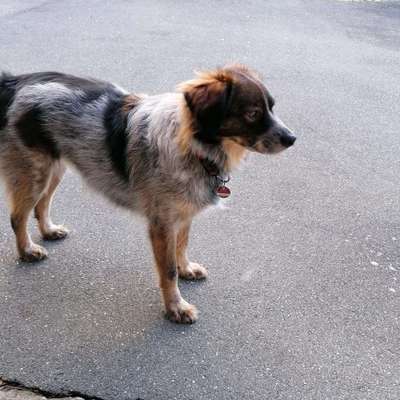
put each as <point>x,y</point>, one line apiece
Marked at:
<point>232,103</point>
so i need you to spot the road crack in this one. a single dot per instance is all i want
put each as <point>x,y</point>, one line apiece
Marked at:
<point>12,390</point>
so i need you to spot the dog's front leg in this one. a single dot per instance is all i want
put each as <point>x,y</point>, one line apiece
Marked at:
<point>163,239</point>
<point>187,270</point>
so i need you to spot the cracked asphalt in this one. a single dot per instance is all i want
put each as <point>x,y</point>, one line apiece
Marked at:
<point>303,295</point>
<point>9,391</point>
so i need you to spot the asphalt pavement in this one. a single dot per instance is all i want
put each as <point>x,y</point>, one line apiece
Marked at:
<point>303,296</point>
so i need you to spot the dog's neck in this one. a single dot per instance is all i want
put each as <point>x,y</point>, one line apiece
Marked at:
<point>211,156</point>
<point>212,168</point>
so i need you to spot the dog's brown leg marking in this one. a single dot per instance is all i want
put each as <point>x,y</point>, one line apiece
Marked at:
<point>24,194</point>
<point>163,240</point>
<point>49,230</point>
<point>187,269</point>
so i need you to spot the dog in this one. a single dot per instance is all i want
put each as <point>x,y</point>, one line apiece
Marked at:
<point>164,156</point>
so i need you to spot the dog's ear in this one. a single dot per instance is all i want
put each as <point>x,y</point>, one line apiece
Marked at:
<point>208,98</point>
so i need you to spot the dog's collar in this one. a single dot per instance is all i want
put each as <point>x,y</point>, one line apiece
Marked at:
<point>212,169</point>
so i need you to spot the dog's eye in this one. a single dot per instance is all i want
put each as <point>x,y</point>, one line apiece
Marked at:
<point>253,115</point>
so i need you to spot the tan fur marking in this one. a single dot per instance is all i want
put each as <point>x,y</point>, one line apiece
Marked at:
<point>186,209</point>
<point>23,196</point>
<point>164,243</point>
<point>181,245</point>
<point>234,151</point>
<point>48,230</point>
<point>163,240</point>
<point>22,203</point>
<point>26,177</point>
<point>185,133</point>
<point>187,269</point>
<point>130,102</point>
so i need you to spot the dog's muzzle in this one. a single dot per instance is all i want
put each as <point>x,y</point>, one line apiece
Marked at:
<point>284,134</point>
<point>276,139</point>
<point>286,138</point>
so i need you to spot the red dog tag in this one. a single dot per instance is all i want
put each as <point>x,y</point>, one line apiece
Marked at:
<point>223,192</point>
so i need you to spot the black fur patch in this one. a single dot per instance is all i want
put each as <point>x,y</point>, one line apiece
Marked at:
<point>33,133</point>
<point>7,93</point>
<point>171,273</point>
<point>115,122</point>
<point>210,110</point>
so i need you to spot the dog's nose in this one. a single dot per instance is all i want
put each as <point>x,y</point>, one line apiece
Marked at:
<point>287,140</point>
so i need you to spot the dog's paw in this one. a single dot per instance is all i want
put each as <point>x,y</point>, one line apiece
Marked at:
<point>193,271</point>
<point>33,253</point>
<point>56,233</point>
<point>182,312</point>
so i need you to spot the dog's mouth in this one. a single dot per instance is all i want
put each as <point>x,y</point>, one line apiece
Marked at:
<point>267,148</point>
<point>274,144</point>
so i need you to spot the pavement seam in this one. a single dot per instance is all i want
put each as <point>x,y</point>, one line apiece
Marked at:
<point>7,385</point>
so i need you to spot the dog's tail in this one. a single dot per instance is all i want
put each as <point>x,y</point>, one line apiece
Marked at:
<point>8,85</point>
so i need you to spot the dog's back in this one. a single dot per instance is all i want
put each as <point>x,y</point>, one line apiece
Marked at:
<point>56,116</point>
<point>47,111</point>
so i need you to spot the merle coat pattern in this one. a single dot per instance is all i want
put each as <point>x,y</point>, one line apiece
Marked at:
<point>149,154</point>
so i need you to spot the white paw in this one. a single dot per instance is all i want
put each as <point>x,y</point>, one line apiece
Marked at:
<point>182,312</point>
<point>33,253</point>
<point>55,233</point>
<point>193,271</point>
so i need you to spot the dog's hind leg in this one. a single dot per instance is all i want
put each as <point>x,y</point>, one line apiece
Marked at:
<point>26,183</point>
<point>187,270</point>
<point>49,230</point>
<point>163,240</point>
